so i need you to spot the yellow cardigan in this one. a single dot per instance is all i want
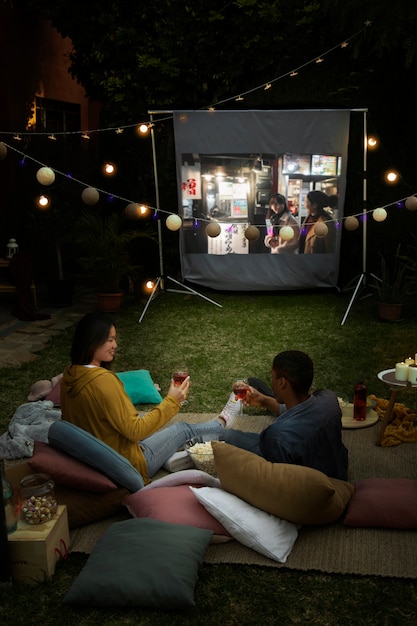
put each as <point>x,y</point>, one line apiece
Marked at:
<point>94,398</point>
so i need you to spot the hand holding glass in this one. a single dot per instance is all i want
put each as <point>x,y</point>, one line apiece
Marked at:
<point>240,389</point>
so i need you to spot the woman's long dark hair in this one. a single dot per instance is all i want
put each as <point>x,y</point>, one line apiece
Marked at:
<point>275,217</point>
<point>91,332</point>
<point>322,200</point>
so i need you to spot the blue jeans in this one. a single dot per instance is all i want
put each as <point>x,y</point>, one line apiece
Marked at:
<point>160,446</point>
<point>246,441</point>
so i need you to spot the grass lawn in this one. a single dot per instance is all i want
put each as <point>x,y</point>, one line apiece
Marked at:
<point>218,344</point>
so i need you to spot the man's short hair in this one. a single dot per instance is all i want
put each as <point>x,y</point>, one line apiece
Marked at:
<point>296,367</point>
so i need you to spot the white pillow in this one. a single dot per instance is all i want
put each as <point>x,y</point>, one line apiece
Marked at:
<point>185,477</point>
<point>256,529</point>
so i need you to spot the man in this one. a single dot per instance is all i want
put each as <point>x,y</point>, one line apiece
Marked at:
<point>308,427</point>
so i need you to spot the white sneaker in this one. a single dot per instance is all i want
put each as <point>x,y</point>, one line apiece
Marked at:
<point>231,410</point>
<point>179,461</point>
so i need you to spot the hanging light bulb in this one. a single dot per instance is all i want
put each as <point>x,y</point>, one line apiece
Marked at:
<point>143,128</point>
<point>109,169</point>
<point>391,177</point>
<point>43,201</point>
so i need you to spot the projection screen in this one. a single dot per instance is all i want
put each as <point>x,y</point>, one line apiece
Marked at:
<point>229,164</point>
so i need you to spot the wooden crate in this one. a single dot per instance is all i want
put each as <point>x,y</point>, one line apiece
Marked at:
<point>35,549</point>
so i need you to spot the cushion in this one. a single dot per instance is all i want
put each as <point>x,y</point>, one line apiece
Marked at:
<point>83,446</point>
<point>292,492</point>
<point>176,505</point>
<point>185,477</point>
<point>55,394</point>
<point>142,562</point>
<point>83,507</point>
<point>256,529</point>
<point>383,503</point>
<point>140,387</point>
<point>67,471</point>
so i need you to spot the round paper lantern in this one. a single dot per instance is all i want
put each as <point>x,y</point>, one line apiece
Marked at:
<point>174,222</point>
<point>213,229</point>
<point>286,233</point>
<point>252,233</point>
<point>379,215</point>
<point>320,229</point>
<point>90,195</point>
<point>3,151</point>
<point>351,223</point>
<point>132,211</point>
<point>410,203</point>
<point>45,176</point>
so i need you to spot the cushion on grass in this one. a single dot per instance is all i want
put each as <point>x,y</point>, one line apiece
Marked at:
<point>83,446</point>
<point>298,494</point>
<point>383,503</point>
<point>140,387</point>
<point>67,471</point>
<point>142,562</point>
<point>55,394</point>
<point>254,528</point>
<point>83,507</point>
<point>185,477</point>
<point>176,505</point>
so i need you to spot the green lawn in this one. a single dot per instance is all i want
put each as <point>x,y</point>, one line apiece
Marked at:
<point>241,338</point>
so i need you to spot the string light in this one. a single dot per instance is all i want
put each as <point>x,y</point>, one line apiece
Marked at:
<point>109,169</point>
<point>52,137</point>
<point>392,177</point>
<point>143,128</point>
<point>319,60</point>
<point>43,201</point>
<point>267,86</point>
<point>85,135</point>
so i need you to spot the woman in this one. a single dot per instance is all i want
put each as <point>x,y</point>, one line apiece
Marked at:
<point>310,243</point>
<point>280,215</point>
<point>93,398</point>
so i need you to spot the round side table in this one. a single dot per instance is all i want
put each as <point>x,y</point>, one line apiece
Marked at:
<point>395,386</point>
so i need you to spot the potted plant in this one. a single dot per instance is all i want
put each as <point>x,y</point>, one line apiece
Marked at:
<point>392,287</point>
<point>102,241</point>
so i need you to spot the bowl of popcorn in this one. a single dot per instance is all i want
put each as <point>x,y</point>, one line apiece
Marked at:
<point>203,458</point>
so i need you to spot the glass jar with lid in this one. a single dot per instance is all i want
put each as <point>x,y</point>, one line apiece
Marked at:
<point>37,497</point>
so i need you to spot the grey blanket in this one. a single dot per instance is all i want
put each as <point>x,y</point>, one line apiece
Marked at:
<point>30,423</point>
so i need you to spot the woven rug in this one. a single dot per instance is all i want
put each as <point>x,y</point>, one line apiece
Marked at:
<point>334,548</point>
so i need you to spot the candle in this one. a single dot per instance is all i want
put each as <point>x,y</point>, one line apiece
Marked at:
<point>401,371</point>
<point>412,374</point>
<point>409,361</point>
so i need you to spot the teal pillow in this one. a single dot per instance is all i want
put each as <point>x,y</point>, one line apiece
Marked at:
<point>140,387</point>
<point>142,562</point>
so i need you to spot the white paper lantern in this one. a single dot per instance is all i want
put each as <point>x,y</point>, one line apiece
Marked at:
<point>379,215</point>
<point>286,233</point>
<point>174,222</point>
<point>351,223</point>
<point>132,211</point>
<point>45,176</point>
<point>213,229</point>
<point>252,233</point>
<point>320,229</point>
<point>411,203</point>
<point>90,195</point>
<point>3,151</point>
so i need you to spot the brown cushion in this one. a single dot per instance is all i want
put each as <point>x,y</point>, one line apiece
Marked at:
<point>84,507</point>
<point>292,492</point>
<point>383,503</point>
<point>67,471</point>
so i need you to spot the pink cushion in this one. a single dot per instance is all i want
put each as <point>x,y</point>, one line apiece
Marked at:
<point>55,394</point>
<point>176,505</point>
<point>67,471</point>
<point>383,503</point>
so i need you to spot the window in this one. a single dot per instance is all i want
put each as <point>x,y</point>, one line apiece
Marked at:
<point>54,116</point>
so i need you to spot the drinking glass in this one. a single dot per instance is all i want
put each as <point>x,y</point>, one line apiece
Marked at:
<point>240,388</point>
<point>179,374</point>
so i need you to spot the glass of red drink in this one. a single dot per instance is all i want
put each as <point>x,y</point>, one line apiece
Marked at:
<point>240,389</point>
<point>179,374</point>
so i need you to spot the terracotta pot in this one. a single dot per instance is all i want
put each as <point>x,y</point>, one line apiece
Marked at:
<point>389,312</point>
<point>109,302</point>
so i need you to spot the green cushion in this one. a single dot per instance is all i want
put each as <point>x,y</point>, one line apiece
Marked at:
<point>140,387</point>
<point>142,562</point>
